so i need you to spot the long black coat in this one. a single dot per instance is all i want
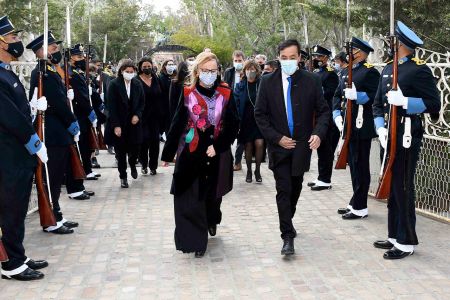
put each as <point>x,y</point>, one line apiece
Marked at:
<point>153,109</point>
<point>123,109</point>
<point>81,102</point>
<point>310,113</point>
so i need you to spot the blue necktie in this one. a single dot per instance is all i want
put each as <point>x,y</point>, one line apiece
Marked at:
<point>289,108</point>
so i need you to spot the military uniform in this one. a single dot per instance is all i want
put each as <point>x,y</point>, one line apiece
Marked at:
<point>365,79</point>
<point>325,152</point>
<point>417,84</point>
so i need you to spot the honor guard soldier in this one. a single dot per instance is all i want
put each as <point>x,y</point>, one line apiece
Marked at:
<point>325,152</point>
<point>416,94</point>
<point>82,106</point>
<point>364,88</point>
<point>61,126</point>
<point>18,145</point>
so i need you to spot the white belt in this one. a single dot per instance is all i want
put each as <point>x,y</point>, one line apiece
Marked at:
<point>359,118</point>
<point>407,133</point>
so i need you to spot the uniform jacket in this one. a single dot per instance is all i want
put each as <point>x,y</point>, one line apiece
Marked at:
<point>330,82</point>
<point>310,113</point>
<point>58,116</point>
<point>81,103</point>
<point>365,78</point>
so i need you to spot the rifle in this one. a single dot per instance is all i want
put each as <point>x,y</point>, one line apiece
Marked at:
<point>384,187</point>
<point>47,217</point>
<point>341,162</point>
<point>3,254</point>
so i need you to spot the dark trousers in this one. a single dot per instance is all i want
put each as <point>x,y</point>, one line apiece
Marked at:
<point>86,152</point>
<point>149,152</point>
<point>15,191</point>
<point>73,185</point>
<point>325,154</point>
<point>288,191</point>
<point>359,160</point>
<point>122,151</point>
<point>401,202</point>
<point>239,153</point>
<point>58,159</point>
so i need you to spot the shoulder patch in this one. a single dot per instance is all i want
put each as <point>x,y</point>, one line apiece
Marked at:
<point>368,66</point>
<point>418,61</point>
<point>50,69</point>
<point>330,69</point>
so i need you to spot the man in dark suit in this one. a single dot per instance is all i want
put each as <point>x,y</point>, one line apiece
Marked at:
<point>293,116</point>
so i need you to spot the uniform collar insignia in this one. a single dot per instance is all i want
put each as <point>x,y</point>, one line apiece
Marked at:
<point>403,60</point>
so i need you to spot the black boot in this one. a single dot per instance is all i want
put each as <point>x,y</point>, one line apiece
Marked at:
<point>288,247</point>
<point>258,176</point>
<point>124,183</point>
<point>249,179</point>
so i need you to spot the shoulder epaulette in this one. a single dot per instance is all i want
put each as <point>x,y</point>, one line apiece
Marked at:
<point>75,71</point>
<point>390,62</point>
<point>50,69</point>
<point>368,66</point>
<point>330,69</point>
<point>418,61</point>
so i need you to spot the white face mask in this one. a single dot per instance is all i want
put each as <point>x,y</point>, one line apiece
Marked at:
<point>128,76</point>
<point>170,69</point>
<point>208,78</point>
<point>238,66</point>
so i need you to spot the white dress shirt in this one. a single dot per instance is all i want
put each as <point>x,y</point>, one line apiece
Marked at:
<point>237,78</point>
<point>284,80</point>
<point>128,88</point>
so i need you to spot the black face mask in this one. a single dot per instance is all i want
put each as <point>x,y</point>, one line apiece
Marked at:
<point>80,64</point>
<point>15,49</point>
<point>147,71</point>
<point>317,64</point>
<point>56,57</point>
<point>261,66</point>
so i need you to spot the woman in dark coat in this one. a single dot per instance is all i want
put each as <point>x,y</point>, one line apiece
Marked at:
<point>126,104</point>
<point>202,131</point>
<point>167,73</point>
<point>176,88</point>
<point>249,134</point>
<point>149,153</point>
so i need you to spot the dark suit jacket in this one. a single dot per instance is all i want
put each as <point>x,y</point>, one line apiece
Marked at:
<point>123,109</point>
<point>228,77</point>
<point>310,112</point>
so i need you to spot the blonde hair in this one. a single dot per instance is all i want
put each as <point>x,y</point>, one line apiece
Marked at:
<point>202,58</point>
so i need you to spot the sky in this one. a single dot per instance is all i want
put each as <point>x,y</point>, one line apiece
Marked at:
<point>161,4</point>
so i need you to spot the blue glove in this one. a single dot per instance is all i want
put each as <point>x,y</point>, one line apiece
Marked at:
<point>362,98</point>
<point>74,128</point>
<point>92,116</point>
<point>34,144</point>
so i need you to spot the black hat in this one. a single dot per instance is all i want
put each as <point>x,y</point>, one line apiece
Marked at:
<point>361,45</point>
<point>342,56</point>
<point>407,36</point>
<point>77,49</point>
<point>304,54</point>
<point>319,50</point>
<point>6,27</point>
<point>38,42</point>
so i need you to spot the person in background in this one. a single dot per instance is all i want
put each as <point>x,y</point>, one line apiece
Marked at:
<point>168,72</point>
<point>340,62</point>
<point>270,67</point>
<point>261,60</point>
<point>176,87</point>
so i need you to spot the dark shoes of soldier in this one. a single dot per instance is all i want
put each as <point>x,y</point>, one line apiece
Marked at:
<point>199,254</point>
<point>320,187</point>
<point>288,247</point>
<point>36,264</point>
<point>212,230</point>
<point>111,150</point>
<point>89,193</point>
<point>70,224</point>
<point>95,164</point>
<point>134,173</point>
<point>342,211</point>
<point>124,183</point>
<point>395,253</point>
<point>83,196</point>
<point>61,230</point>
<point>153,172</point>
<point>311,183</point>
<point>144,171</point>
<point>26,275</point>
<point>91,176</point>
<point>383,245</point>
<point>352,216</point>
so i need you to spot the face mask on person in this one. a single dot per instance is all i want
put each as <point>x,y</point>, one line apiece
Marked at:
<point>289,66</point>
<point>238,66</point>
<point>147,71</point>
<point>208,78</point>
<point>251,75</point>
<point>128,76</point>
<point>337,67</point>
<point>55,58</point>
<point>170,69</point>
<point>15,49</point>
<point>80,64</point>
<point>317,63</point>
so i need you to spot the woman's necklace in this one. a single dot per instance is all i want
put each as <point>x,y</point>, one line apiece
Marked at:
<point>250,98</point>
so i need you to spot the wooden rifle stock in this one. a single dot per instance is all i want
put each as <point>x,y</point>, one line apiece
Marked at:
<point>3,254</point>
<point>384,187</point>
<point>46,215</point>
<point>341,162</point>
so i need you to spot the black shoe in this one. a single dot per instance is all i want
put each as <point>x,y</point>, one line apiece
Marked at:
<point>383,245</point>
<point>162,140</point>
<point>91,178</point>
<point>95,164</point>
<point>395,253</point>
<point>124,183</point>
<point>26,275</point>
<point>295,233</point>
<point>111,151</point>
<point>342,211</point>
<point>134,173</point>
<point>61,230</point>
<point>320,188</point>
<point>199,254</point>
<point>89,193</point>
<point>352,216</point>
<point>258,176</point>
<point>83,196</point>
<point>70,224</point>
<point>311,183</point>
<point>98,175</point>
<point>37,264</point>
<point>153,172</point>
<point>249,179</point>
<point>144,171</point>
<point>288,247</point>
<point>212,230</point>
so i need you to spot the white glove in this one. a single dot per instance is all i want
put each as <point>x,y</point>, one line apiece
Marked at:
<point>396,98</point>
<point>42,154</point>
<point>382,136</point>
<point>102,96</point>
<point>70,94</point>
<point>350,94</point>
<point>33,102</point>
<point>42,104</point>
<point>94,124</point>
<point>90,90</point>
<point>76,137</point>
<point>339,123</point>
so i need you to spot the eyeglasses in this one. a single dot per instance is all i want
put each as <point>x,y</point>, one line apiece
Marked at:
<point>209,71</point>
